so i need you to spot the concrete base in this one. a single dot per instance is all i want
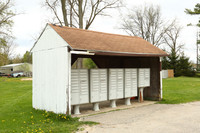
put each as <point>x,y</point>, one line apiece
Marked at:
<point>113,103</point>
<point>96,106</point>
<point>140,98</point>
<point>77,110</point>
<point>128,101</point>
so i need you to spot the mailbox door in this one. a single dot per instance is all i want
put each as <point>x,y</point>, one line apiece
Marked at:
<point>120,83</point>
<point>134,82</point>
<point>94,85</point>
<point>84,87</point>
<point>103,85</point>
<point>147,77</point>
<point>141,78</point>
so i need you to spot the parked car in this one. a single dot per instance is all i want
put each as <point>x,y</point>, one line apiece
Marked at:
<point>17,74</point>
<point>3,75</point>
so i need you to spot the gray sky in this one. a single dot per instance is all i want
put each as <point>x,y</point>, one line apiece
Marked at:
<point>34,17</point>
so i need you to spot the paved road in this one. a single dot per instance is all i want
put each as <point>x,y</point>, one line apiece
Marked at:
<point>156,118</point>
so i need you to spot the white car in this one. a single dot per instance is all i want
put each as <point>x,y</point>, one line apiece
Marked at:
<point>17,74</point>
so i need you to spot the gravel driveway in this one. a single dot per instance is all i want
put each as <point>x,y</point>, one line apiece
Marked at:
<point>156,118</point>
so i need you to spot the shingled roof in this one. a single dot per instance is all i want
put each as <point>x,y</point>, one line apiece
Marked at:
<point>107,44</point>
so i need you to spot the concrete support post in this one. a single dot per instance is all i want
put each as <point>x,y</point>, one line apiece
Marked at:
<point>96,106</point>
<point>128,101</point>
<point>113,103</point>
<point>140,98</point>
<point>76,110</point>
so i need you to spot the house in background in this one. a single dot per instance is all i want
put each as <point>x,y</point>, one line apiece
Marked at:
<point>26,68</point>
<point>169,73</point>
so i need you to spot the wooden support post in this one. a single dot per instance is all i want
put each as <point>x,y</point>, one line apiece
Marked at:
<point>140,98</point>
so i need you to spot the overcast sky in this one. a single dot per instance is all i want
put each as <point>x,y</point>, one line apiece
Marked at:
<point>34,17</point>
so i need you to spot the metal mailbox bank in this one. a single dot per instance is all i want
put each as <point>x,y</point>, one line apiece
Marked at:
<point>143,81</point>
<point>98,87</point>
<point>131,86</point>
<point>80,88</point>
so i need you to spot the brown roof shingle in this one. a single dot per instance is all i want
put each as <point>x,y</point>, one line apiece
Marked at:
<point>100,43</point>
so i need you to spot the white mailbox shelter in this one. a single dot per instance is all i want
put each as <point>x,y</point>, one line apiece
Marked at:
<point>56,87</point>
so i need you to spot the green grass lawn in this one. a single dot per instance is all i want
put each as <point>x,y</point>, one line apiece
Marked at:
<point>181,90</point>
<point>17,114</point>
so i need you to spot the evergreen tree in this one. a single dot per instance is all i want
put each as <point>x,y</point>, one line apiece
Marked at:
<point>180,64</point>
<point>173,61</point>
<point>165,63</point>
<point>196,10</point>
<point>184,67</point>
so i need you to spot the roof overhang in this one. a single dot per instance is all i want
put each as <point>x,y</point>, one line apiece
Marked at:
<point>116,53</point>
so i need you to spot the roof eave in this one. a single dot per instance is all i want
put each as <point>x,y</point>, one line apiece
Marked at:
<point>116,53</point>
<point>131,54</point>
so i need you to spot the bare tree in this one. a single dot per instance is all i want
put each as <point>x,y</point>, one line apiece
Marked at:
<point>146,22</point>
<point>80,13</point>
<point>6,15</point>
<point>6,52</point>
<point>6,22</point>
<point>172,37</point>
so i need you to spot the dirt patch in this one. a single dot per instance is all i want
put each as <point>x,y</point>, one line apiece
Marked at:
<point>24,79</point>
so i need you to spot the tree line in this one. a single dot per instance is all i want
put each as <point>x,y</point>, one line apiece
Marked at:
<point>7,46</point>
<point>146,22</point>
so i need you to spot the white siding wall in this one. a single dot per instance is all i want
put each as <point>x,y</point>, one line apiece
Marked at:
<point>49,40</point>
<point>50,73</point>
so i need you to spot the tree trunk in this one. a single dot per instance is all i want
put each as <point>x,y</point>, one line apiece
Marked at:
<point>80,13</point>
<point>64,12</point>
<point>79,63</point>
